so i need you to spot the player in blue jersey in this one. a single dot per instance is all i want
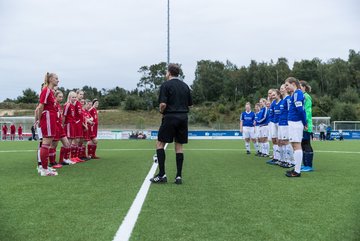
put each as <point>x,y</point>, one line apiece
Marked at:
<point>297,123</point>
<point>256,124</point>
<point>273,126</point>
<point>286,151</point>
<point>263,120</point>
<point>247,128</point>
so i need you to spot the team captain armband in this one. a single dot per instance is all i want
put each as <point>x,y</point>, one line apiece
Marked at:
<point>298,104</point>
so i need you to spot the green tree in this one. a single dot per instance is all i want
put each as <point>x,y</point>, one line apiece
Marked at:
<point>29,96</point>
<point>209,81</point>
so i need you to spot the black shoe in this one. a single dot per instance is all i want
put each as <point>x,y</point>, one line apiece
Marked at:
<point>52,164</point>
<point>85,158</point>
<point>292,173</point>
<point>248,152</point>
<point>287,165</point>
<point>159,179</point>
<point>178,180</point>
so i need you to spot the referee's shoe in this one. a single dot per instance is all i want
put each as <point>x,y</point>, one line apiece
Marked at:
<point>159,179</point>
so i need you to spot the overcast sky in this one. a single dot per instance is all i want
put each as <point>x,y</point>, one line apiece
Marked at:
<point>104,43</point>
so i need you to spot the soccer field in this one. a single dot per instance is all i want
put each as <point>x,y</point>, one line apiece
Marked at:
<point>226,195</point>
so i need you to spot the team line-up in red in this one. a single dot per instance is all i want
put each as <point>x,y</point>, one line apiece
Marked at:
<point>75,124</point>
<point>12,132</point>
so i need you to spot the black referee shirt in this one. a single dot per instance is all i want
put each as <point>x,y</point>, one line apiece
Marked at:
<point>176,95</point>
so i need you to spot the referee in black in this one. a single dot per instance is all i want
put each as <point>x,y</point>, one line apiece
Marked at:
<point>175,99</point>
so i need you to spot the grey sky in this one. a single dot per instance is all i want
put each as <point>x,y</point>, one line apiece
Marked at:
<point>103,43</point>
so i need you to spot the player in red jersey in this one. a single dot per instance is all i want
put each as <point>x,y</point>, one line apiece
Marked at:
<point>70,125</point>
<point>47,114</point>
<point>60,136</point>
<point>88,122</point>
<point>4,131</point>
<point>20,132</point>
<point>92,144</point>
<point>12,131</point>
<point>75,148</point>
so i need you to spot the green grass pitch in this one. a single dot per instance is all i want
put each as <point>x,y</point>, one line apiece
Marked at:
<point>226,195</point>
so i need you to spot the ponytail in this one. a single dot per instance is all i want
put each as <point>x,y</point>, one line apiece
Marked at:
<point>306,85</point>
<point>47,79</point>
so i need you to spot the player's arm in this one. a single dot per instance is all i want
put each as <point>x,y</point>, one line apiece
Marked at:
<point>241,123</point>
<point>39,112</point>
<point>162,107</point>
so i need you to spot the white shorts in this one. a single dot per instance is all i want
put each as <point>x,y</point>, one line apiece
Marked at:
<point>264,132</point>
<point>39,132</point>
<point>273,129</point>
<point>283,133</point>
<point>248,132</point>
<point>256,132</point>
<point>296,129</point>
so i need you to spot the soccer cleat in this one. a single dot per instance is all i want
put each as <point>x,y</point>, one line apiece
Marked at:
<point>68,162</point>
<point>39,168</point>
<point>95,157</point>
<point>178,180</point>
<point>79,160</point>
<point>248,152</point>
<point>47,172</point>
<point>307,169</point>
<point>57,166</point>
<point>287,165</point>
<point>85,158</point>
<point>272,162</point>
<point>292,173</point>
<point>159,179</point>
<point>51,169</point>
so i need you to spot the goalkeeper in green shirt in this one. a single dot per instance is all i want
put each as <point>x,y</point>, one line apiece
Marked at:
<point>308,153</point>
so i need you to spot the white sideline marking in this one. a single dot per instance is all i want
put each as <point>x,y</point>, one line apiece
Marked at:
<point>127,226</point>
<point>194,149</point>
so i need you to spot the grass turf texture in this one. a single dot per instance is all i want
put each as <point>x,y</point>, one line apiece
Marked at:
<point>226,195</point>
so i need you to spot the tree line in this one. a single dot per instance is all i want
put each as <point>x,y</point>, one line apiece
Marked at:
<point>222,88</point>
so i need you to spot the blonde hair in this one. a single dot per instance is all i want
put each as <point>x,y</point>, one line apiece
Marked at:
<point>71,94</point>
<point>47,79</point>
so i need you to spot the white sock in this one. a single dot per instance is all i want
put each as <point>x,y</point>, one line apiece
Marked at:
<point>247,146</point>
<point>267,148</point>
<point>289,153</point>
<point>276,152</point>
<point>298,155</point>
<point>262,148</point>
<point>281,153</point>
<point>256,146</point>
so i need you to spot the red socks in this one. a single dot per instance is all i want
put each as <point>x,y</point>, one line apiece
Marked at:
<point>73,151</point>
<point>52,155</point>
<point>91,150</point>
<point>62,154</point>
<point>44,155</point>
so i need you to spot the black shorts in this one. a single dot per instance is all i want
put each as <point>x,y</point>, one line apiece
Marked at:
<point>174,126</point>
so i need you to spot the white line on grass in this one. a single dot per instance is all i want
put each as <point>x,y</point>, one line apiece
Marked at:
<point>193,149</point>
<point>127,226</point>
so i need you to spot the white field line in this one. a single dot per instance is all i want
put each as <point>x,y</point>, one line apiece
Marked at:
<point>192,149</point>
<point>128,224</point>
